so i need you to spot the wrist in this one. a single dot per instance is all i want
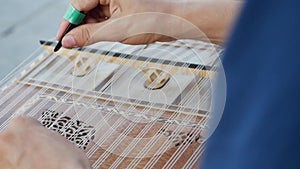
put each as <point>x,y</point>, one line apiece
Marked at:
<point>212,18</point>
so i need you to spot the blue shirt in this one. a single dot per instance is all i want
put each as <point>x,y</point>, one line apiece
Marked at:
<point>260,127</point>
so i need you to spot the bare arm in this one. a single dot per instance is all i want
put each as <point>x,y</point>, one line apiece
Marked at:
<point>212,17</point>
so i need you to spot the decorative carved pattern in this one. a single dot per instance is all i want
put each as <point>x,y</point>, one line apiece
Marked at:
<point>75,131</point>
<point>156,78</point>
<point>180,138</point>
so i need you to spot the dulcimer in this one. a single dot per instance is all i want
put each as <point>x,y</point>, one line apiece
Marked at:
<point>125,106</point>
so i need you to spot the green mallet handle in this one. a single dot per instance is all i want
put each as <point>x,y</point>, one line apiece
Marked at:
<point>74,17</point>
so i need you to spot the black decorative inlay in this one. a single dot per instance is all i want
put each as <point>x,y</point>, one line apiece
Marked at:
<point>78,132</point>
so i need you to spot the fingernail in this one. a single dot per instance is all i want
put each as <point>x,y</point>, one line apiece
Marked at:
<point>69,41</point>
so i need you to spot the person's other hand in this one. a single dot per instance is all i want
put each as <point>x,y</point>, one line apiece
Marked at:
<point>26,144</point>
<point>99,13</point>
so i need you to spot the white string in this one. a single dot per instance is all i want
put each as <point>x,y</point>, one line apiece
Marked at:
<point>148,146</point>
<point>124,133</point>
<point>116,124</point>
<point>63,114</point>
<point>20,97</point>
<point>141,153</point>
<point>132,145</point>
<point>179,148</point>
<point>119,122</point>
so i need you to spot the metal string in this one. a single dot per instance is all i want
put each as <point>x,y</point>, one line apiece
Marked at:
<point>21,96</point>
<point>179,148</point>
<point>107,103</point>
<point>125,132</point>
<point>112,127</point>
<point>141,153</point>
<point>131,146</point>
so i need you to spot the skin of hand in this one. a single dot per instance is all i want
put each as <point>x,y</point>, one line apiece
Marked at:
<point>26,144</point>
<point>123,21</point>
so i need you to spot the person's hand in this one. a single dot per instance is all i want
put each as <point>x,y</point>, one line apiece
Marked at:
<point>26,144</point>
<point>146,21</point>
<point>103,23</point>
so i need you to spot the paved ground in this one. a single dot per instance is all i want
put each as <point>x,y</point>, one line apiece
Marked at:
<point>22,24</point>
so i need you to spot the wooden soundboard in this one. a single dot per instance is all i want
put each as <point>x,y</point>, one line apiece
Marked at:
<point>123,108</point>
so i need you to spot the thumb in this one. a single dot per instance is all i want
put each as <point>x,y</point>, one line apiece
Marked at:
<point>88,34</point>
<point>81,36</point>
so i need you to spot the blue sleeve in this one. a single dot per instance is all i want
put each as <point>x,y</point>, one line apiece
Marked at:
<point>260,127</point>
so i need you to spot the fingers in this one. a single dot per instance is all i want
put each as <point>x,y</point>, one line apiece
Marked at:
<point>21,123</point>
<point>84,5</point>
<point>81,5</point>
<point>62,27</point>
<point>80,36</point>
<point>26,142</point>
<point>123,29</point>
<point>87,5</point>
<point>96,11</point>
<point>94,32</point>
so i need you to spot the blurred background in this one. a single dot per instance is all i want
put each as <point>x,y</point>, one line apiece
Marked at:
<point>22,24</point>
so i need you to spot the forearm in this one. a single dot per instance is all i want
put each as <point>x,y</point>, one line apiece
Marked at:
<point>213,17</point>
